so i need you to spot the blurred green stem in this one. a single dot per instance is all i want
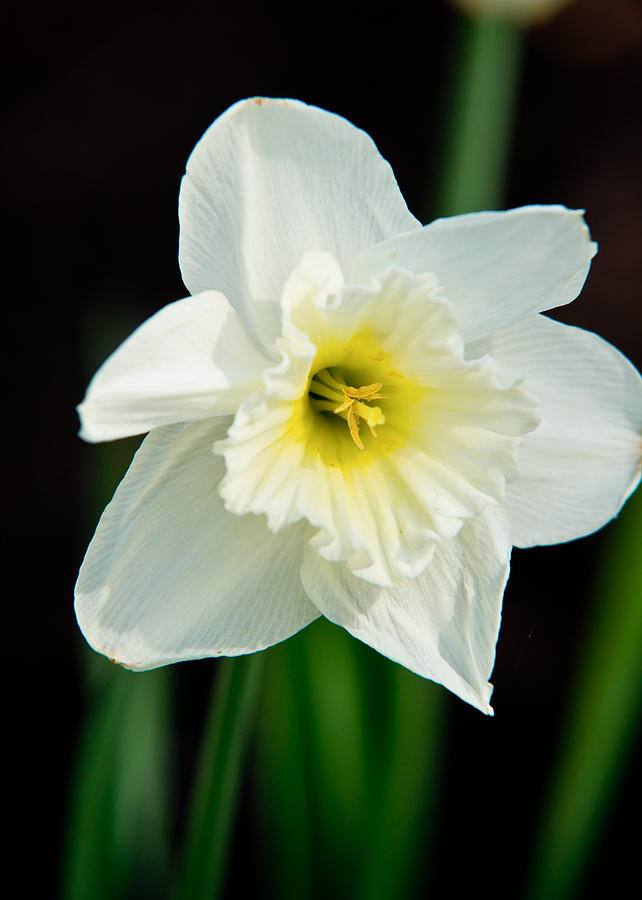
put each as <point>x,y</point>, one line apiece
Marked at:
<point>216,785</point>
<point>282,771</point>
<point>118,824</point>
<point>478,119</point>
<point>403,797</point>
<point>602,721</point>
<point>314,762</point>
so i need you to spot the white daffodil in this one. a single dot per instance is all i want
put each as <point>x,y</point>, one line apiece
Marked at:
<point>352,416</point>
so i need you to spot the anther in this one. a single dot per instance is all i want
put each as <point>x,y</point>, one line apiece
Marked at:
<point>328,387</point>
<point>354,406</point>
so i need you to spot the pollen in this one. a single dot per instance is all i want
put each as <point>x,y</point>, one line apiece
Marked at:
<point>329,388</point>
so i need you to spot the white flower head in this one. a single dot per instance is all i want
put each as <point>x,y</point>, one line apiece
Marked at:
<point>352,416</point>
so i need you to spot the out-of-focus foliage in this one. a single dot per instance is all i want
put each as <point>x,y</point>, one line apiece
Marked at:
<point>603,718</point>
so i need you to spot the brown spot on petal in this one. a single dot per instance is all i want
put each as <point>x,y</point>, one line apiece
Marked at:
<point>117,662</point>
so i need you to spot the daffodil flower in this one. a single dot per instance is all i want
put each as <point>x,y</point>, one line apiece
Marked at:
<point>352,416</point>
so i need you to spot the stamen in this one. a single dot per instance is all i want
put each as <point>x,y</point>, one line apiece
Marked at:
<point>329,385</point>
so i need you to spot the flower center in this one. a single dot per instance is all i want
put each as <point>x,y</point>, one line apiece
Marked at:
<point>328,388</point>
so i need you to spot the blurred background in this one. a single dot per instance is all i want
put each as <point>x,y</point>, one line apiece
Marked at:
<point>106,103</point>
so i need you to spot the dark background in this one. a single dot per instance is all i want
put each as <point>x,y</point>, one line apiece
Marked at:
<point>106,104</point>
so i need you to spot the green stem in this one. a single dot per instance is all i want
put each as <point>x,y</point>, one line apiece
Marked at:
<point>486,67</point>
<point>89,858</point>
<point>602,722</point>
<point>403,797</point>
<point>338,688</point>
<point>216,785</point>
<point>118,823</point>
<point>283,771</point>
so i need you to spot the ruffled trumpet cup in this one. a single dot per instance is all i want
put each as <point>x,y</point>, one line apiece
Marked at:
<point>352,416</point>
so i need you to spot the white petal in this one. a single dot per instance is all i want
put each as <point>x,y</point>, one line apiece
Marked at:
<point>495,267</point>
<point>169,575</point>
<point>192,360</point>
<point>583,461</point>
<point>268,181</point>
<point>442,625</point>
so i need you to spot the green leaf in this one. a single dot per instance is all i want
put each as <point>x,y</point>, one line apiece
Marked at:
<point>118,822</point>
<point>479,113</point>
<point>216,785</point>
<point>602,720</point>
